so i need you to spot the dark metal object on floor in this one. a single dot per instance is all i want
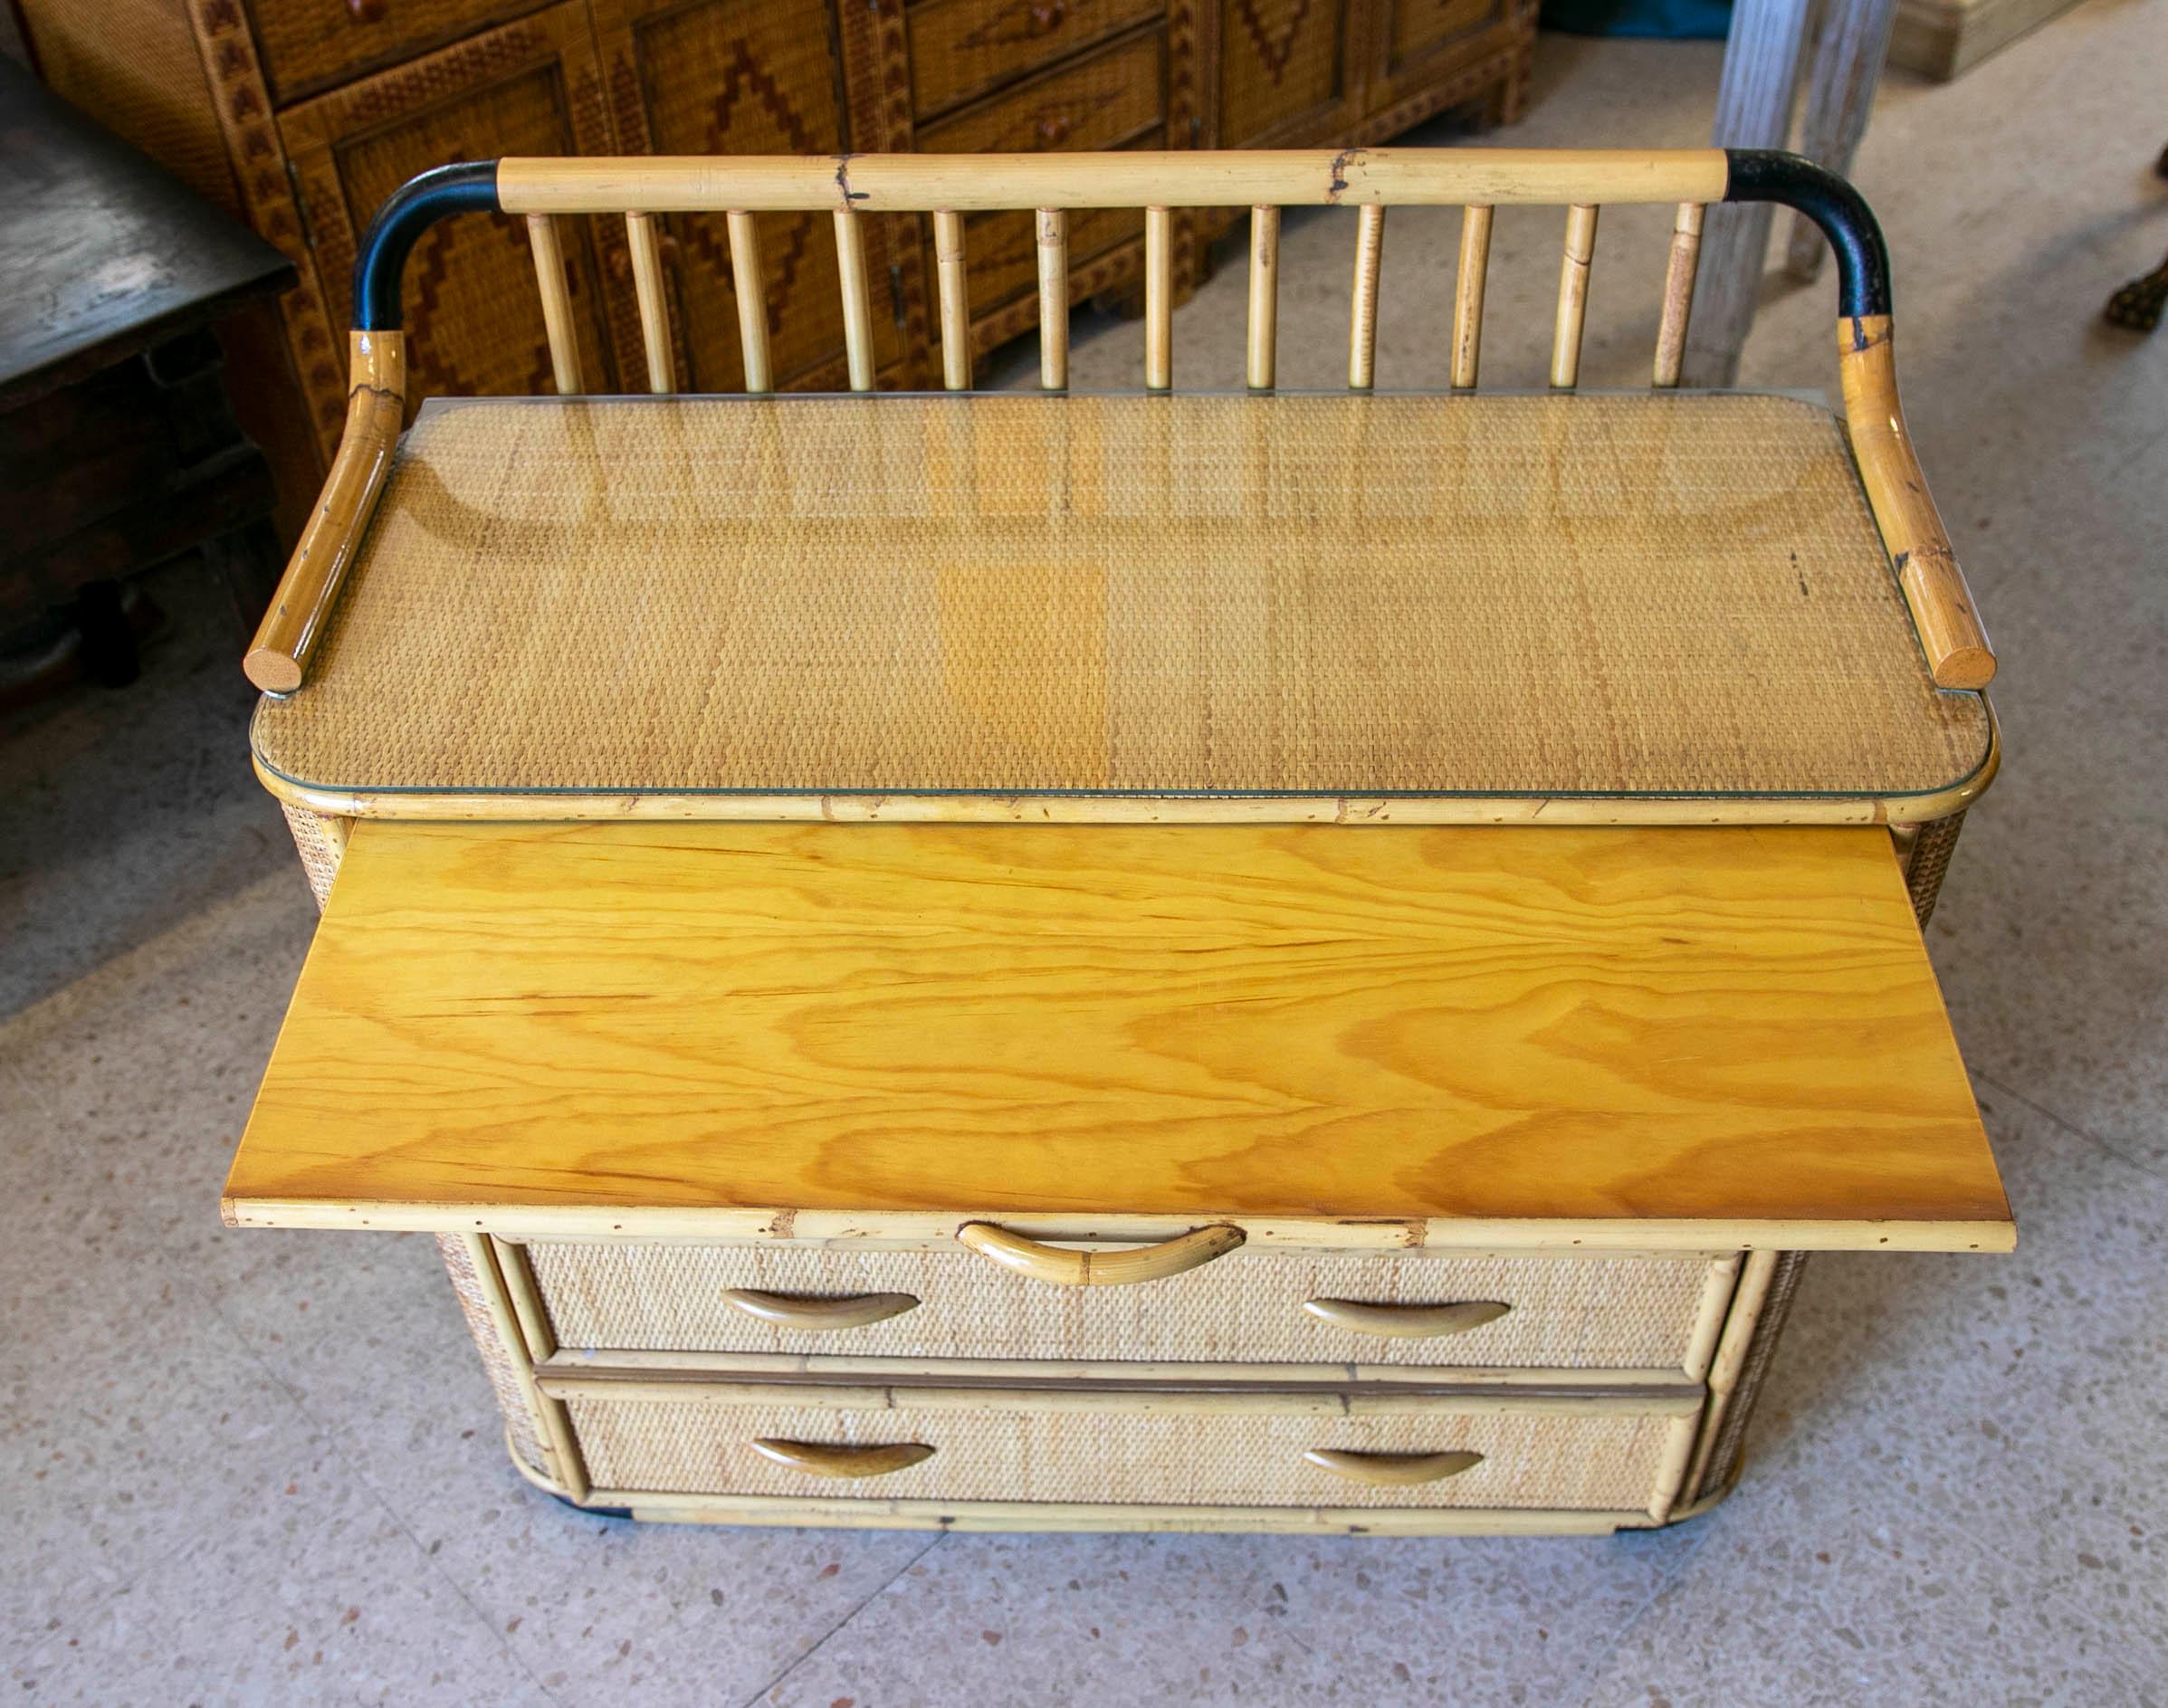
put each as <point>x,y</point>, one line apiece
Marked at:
<point>118,445</point>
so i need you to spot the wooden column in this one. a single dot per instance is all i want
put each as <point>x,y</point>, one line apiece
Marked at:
<point>1753,110</point>
<point>1840,93</point>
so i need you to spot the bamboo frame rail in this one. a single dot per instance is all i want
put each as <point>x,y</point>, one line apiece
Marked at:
<point>948,187</point>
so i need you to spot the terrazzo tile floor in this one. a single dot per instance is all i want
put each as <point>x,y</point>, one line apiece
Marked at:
<point>259,1467</point>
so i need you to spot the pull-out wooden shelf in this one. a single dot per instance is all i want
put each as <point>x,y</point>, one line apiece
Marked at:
<point>1547,1040</point>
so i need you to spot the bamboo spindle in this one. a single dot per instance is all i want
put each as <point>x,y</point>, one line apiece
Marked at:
<point>955,301</point>
<point>1264,296</point>
<point>1362,323</point>
<point>857,308</point>
<point>1158,298</point>
<point>1678,292</point>
<point>1467,295</point>
<point>1572,295</point>
<point>654,313</point>
<point>557,302</point>
<point>1054,299</point>
<point>751,289</point>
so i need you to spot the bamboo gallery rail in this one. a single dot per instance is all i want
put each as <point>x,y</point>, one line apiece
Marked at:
<point>948,188</point>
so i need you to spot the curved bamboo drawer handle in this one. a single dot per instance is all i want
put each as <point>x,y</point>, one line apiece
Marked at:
<point>1406,1322</point>
<point>1393,1470</point>
<point>1063,1268</point>
<point>819,1316</point>
<point>821,1458</point>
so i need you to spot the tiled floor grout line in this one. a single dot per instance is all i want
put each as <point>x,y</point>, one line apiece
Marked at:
<point>1669,1581</point>
<point>2149,1169</point>
<point>376,1497</point>
<point>820,1642</point>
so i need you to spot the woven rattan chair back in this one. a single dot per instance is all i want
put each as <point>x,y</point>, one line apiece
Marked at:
<point>1054,186</point>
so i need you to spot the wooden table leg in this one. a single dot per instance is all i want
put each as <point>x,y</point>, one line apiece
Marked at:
<point>1840,93</point>
<point>1753,110</point>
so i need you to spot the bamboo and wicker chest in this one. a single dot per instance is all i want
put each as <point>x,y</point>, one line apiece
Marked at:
<point>1275,961</point>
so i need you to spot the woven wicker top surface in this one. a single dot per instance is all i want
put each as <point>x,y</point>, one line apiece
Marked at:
<point>1655,594</point>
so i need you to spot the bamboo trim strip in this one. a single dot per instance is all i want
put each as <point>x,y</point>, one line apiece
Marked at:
<point>1264,297</point>
<point>1678,292</point>
<point>857,305</point>
<point>1362,318</point>
<point>1731,1357</point>
<point>563,1450</point>
<point>748,284</point>
<point>1011,1516</point>
<point>1158,298</point>
<point>1718,1292</point>
<point>557,303</point>
<point>1572,296</point>
<point>1671,1468</point>
<point>955,300</point>
<point>1533,1238</point>
<point>1054,299</point>
<point>958,1372</point>
<point>1731,1433</point>
<point>654,314</point>
<point>923,182</point>
<point>1934,589</point>
<point>1344,1401</point>
<point>867,808</point>
<point>1467,295</point>
<point>277,659</point>
<point>529,1308</point>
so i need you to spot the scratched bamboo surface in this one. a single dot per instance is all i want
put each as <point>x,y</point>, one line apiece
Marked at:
<point>1650,594</point>
<point>1527,1037</point>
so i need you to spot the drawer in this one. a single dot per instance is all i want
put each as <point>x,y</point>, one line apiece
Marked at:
<point>1579,1314</point>
<point>310,45</point>
<point>1422,27</point>
<point>962,48</point>
<point>1100,103</point>
<point>1187,1449</point>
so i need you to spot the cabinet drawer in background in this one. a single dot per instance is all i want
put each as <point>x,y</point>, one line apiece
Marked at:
<point>310,45</point>
<point>1100,102</point>
<point>960,49</point>
<point>1657,1314</point>
<point>1189,1450</point>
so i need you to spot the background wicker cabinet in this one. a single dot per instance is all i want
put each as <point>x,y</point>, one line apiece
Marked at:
<point>302,115</point>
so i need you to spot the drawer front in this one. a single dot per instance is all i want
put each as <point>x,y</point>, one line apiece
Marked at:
<point>310,45</point>
<point>962,48</point>
<point>1554,1460</point>
<point>1422,27</point>
<point>1642,1313</point>
<point>1099,104</point>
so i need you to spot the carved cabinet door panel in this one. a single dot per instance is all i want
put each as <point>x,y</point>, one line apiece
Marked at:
<point>473,318</point>
<point>722,77</point>
<point>1290,72</point>
<point>1429,50</point>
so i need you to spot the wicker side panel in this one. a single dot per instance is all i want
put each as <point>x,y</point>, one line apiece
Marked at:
<point>133,64</point>
<point>1569,1313</point>
<point>1558,1461</point>
<point>1731,1432</point>
<point>524,1429</point>
<point>319,841</point>
<point>1930,862</point>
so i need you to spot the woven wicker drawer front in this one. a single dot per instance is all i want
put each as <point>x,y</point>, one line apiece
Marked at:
<point>1559,1461</point>
<point>1567,1313</point>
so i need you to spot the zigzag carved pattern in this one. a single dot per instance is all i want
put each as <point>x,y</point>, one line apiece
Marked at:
<point>744,76</point>
<point>431,372</point>
<point>1273,55</point>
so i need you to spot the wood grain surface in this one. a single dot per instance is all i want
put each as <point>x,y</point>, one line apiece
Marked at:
<point>1539,1037</point>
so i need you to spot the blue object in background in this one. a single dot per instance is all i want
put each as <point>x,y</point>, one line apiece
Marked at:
<point>1669,20</point>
